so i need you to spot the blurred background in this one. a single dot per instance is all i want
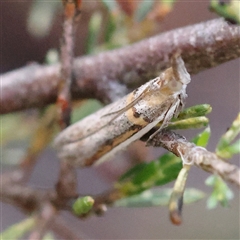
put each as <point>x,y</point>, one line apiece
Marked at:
<point>29,29</point>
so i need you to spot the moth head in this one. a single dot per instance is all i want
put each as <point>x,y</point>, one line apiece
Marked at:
<point>179,70</point>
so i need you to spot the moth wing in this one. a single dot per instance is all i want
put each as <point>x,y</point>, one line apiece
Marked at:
<point>124,109</point>
<point>118,112</point>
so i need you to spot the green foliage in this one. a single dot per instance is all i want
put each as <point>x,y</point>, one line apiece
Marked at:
<point>194,111</point>
<point>158,197</point>
<point>134,183</point>
<point>82,205</point>
<point>221,192</point>
<point>196,122</point>
<point>202,138</point>
<point>230,11</point>
<point>226,148</point>
<point>147,175</point>
<point>192,117</point>
<point>19,229</point>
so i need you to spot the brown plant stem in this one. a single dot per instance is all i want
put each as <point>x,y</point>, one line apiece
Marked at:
<point>31,200</point>
<point>112,74</point>
<point>200,157</point>
<point>70,19</point>
<point>61,228</point>
<point>66,186</point>
<point>43,221</point>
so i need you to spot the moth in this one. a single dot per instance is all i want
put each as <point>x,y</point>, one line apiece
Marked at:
<point>100,135</point>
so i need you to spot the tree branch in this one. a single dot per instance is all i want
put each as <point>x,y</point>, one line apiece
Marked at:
<point>199,156</point>
<point>112,74</point>
<point>70,19</point>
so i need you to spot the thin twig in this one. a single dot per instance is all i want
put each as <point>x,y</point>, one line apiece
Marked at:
<point>112,74</point>
<point>66,186</point>
<point>26,198</point>
<point>70,17</point>
<point>67,183</point>
<point>44,221</point>
<point>201,158</point>
<point>61,228</point>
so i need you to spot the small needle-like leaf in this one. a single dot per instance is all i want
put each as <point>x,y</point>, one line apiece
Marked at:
<point>225,148</point>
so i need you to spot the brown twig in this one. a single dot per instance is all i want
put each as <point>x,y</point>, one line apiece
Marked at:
<point>178,145</point>
<point>30,199</point>
<point>66,186</point>
<point>71,15</point>
<point>26,198</point>
<point>201,158</point>
<point>112,74</point>
<point>61,228</point>
<point>44,221</point>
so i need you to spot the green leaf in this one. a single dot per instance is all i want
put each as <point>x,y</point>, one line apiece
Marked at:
<point>194,111</point>
<point>82,205</point>
<point>147,175</point>
<point>158,197</point>
<point>192,117</point>
<point>202,138</point>
<point>230,150</point>
<point>196,122</point>
<point>192,195</point>
<point>224,148</point>
<point>143,8</point>
<point>148,198</point>
<point>17,230</point>
<point>221,192</point>
<point>230,11</point>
